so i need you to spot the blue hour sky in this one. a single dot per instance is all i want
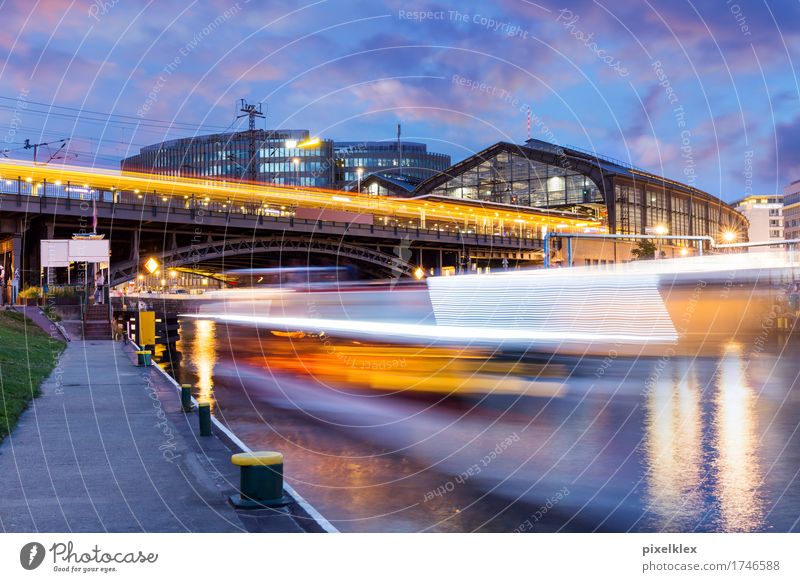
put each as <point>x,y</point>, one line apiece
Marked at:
<point>702,92</point>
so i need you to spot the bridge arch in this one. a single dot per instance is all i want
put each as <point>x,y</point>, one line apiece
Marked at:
<point>196,253</point>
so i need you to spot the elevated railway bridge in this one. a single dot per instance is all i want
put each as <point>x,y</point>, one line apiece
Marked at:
<point>213,225</point>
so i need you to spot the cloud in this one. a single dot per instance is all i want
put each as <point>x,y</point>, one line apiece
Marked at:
<point>787,158</point>
<point>352,70</point>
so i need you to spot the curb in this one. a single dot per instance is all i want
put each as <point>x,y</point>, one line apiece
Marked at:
<point>310,514</point>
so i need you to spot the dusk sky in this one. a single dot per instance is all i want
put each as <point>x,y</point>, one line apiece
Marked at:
<point>701,92</point>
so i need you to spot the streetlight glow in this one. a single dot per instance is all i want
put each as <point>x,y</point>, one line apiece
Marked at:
<point>151,265</point>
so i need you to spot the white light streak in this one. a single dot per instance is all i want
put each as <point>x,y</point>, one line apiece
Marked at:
<point>428,332</point>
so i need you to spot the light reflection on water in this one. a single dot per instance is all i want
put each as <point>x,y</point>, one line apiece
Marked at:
<point>702,468</point>
<point>204,356</point>
<point>700,441</point>
<point>674,452</point>
<point>738,476</point>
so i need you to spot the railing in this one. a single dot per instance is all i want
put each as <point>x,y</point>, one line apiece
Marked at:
<point>388,225</point>
<point>790,244</point>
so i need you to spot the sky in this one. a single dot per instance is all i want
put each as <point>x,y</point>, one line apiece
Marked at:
<point>705,93</point>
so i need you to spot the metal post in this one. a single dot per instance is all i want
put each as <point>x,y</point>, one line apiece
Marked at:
<point>186,397</point>
<point>204,414</point>
<point>261,480</point>
<point>546,244</point>
<point>569,251</point>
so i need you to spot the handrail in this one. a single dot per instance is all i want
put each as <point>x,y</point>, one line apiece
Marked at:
<point>215,211</point>
<point>711,242</point>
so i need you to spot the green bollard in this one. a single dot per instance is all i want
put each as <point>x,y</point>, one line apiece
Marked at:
<point>204,414</point>
<point>186,397</point>
<point>261,480</point>
<point>143,358</point>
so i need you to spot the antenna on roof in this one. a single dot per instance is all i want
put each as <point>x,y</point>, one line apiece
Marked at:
<point>529,123</point>
<point>399,151</point>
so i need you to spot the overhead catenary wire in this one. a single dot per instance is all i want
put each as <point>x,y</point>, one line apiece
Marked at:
<point>120,118</point>
<point>139,125</point>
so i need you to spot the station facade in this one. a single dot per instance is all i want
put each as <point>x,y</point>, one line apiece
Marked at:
<point>626,199</point>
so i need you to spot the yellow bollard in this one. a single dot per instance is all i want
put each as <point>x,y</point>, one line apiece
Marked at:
<point>261,480</point>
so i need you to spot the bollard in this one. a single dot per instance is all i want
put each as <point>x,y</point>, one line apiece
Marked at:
<point>143,358</point>
<point>261,480</point>
<point>186,397</point>
<point>204,414</point>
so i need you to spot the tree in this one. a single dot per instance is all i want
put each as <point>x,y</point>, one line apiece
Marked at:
<point>645,249</point>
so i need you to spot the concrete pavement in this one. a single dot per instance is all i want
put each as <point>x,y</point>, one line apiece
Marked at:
<point>106,448</point>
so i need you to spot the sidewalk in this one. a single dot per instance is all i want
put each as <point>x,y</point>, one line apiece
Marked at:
<point>106,448</point>
<point>36,316</point>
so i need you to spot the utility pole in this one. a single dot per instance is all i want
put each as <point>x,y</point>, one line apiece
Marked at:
<point>35,147</point>
<point>399,152</point>
<point>251,111</point>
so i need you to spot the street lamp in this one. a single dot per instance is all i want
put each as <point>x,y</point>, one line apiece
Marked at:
<point>296,164</point>
<point>729,236</point>
<point>359,173</point>
<point>661,230</point>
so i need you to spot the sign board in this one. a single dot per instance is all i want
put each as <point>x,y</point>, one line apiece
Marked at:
<point>60,253</point>
<point>146,332</point>
<point>55,253</point>
<point>90,251</point>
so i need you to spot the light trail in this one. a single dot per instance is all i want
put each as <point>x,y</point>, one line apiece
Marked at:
<point>466,212</point>
<point>446,333</point>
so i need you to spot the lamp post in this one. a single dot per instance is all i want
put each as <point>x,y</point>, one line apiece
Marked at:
<point>296,165</point>
<point>359,173</point>
<point>661,230</point>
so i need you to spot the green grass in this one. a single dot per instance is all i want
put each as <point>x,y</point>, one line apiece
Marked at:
<point>27,356</point>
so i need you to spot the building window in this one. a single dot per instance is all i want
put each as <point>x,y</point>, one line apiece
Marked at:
<point>509,178</point>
